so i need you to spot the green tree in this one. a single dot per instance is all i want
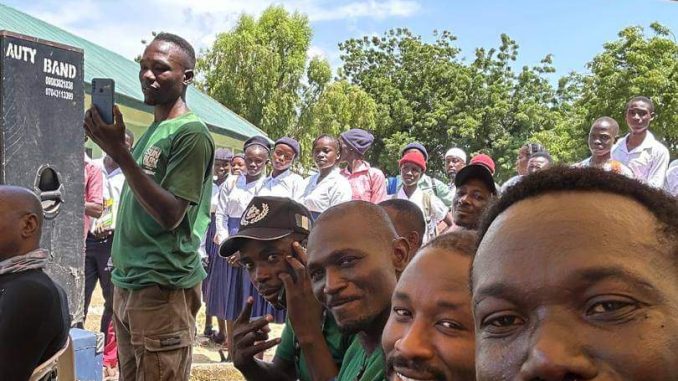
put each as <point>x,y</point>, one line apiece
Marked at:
<point>634,64</point>
<point>426,92</point>
<point>256,69</point>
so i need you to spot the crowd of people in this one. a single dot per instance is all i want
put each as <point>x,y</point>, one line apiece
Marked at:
<point>567,271</point>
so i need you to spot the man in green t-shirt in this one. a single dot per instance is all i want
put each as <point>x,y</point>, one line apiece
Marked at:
<point>164,210</point>
<point>354,259</point>
<point>268,242</point>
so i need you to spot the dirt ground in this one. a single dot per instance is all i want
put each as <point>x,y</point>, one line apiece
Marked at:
<point>207,365</point>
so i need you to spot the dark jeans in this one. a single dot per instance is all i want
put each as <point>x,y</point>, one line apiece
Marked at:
<point>97,256</point>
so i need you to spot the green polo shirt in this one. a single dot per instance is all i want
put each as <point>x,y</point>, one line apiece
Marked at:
<point>359,366</point>
<point>337,342</point>
<point>177,154</point>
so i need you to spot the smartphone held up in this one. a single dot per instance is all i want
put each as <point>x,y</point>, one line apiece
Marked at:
<point>103,98</point>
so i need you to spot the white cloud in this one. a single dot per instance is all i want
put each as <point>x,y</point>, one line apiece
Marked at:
<point>120,26</point>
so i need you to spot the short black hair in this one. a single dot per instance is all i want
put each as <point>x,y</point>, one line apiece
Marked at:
<point>408,214</point>
<point>333,138</point>
<point>543,154</point>
<point>640,98</point>
<point>181,43</point>
<point>574,179</point>
<point>462,241</point>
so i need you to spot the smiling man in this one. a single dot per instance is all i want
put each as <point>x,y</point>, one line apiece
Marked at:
<point>575,279</point>
<point>354,259</point>
<point>475,190</point>
<point>164,209</point>
<point>639,149</point>
<point>430,333</point>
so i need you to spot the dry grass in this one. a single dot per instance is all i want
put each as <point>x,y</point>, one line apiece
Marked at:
<point>207,365</point>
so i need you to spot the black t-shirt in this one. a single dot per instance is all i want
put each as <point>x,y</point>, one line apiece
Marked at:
<point>34,322</point>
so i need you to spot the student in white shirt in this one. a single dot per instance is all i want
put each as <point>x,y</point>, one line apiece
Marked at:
<point>283,182</point>
<point>228,286</point>
<point>639,150</point>
<point>327,187</point>
<point>412,166</point>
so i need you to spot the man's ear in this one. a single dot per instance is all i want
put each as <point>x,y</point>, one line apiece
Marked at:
<point>413,239</point>
<point>188,76</point>
<point>401,250</point>
<point>29,225</point>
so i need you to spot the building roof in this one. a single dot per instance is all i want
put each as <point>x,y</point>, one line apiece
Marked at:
<point>103,63</point>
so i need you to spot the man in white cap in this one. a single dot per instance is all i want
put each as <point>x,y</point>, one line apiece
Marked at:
<point>455,160</point>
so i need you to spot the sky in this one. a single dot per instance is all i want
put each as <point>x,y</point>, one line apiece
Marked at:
<point>574,31</point>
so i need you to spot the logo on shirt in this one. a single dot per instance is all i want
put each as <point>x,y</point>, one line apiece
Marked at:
<point>254,214</point>
<point>150,161</point>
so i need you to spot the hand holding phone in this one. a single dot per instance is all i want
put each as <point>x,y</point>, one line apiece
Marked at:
<point>103,122</point>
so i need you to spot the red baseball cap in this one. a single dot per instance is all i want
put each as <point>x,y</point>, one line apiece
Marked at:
<point>485,160</point>
<point>414,157</point>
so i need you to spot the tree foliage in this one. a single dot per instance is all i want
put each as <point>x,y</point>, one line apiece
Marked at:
<point>256,69</point>
<point>426,92</point>
<point>634,64</point>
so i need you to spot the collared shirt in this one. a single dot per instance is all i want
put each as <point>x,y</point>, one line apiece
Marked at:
<point>290,351</point>
<point>367,183</point>
<point>648,161</point>
<point>332,190</point>
<point>433,210</point>
<point>233,200</point>
<point>610,166</point>
<point>358,365</point>
<point>287,184</point>
<point>671,185</point>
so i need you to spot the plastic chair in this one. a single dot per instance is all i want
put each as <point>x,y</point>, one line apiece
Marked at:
<point>59,367</point>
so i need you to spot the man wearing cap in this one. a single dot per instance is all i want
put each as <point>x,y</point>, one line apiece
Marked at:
<point>367,183</point>
<point>439,188</point>
<point>270,238</point>
<point>455,160</point>
<point>475,189</point>
<point>412,167</point>
<point>283,182</point>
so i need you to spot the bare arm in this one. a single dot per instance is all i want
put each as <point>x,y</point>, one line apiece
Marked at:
<point>93,209</point>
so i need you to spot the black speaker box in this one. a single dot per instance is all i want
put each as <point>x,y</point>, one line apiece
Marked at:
<point>42,146</point>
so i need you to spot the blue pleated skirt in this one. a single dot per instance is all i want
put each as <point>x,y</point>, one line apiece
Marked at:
<point>225,285</point>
